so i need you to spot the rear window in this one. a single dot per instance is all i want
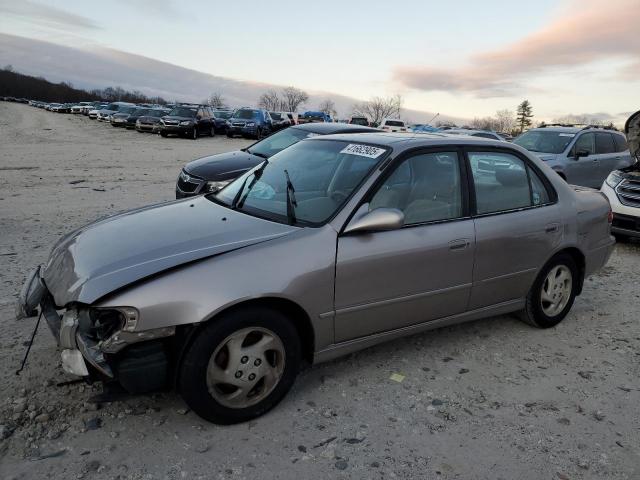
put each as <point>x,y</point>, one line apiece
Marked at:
<point>604,143</point>
<point>394,123</point>
<point>621,143</point>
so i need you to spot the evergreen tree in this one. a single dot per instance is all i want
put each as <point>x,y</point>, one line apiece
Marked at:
<point>524,115</point>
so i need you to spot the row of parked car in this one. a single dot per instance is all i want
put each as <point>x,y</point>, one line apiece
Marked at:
<point>187,120</point>
<point>284,251</point>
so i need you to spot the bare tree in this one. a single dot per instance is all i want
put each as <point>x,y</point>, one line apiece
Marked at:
<point>379,108</point>
<point>216,100</point>
<point>329,107</point>
<point>270,100</point>
<point>293,98</point>
<point>505,121</point>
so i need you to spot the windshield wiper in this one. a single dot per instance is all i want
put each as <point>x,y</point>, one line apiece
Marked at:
<point>238,200</point>
<point>291,200</point>
<point>257,154</point>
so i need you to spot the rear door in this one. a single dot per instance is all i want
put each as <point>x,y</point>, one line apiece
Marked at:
<point>518,223</point>
<point>606,154</point>
<point>421,272</point>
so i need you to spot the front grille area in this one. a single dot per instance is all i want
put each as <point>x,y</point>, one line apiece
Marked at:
<point>187,183</point>
<point>626,222</point>
<point>171,122</point>
<point>629,192</point>
<point>238,124</point>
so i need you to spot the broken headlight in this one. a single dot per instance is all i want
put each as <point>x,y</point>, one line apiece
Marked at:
<point>107,321</point>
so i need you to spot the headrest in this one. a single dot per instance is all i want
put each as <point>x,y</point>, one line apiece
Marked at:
<point>511,177</point>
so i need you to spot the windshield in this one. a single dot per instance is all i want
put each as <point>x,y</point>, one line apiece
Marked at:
<point>127,109</point>
<point>544,141</point>
<point>183,112</point>
<point>222,114</point>
<point>113,107</point>
<point>359,121</point>
<point>156,113</point>
<point>323,174</point>
<point>278,141</point>
<point>394,123</point>
<point>275,115</point>
<point>141,112</point>
<point>245,114</point>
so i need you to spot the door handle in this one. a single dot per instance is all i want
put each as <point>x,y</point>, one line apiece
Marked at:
<point>459,244</point>
<point>551,228</point>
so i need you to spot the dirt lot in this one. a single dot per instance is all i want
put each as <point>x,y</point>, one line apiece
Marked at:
<point>492,399</point>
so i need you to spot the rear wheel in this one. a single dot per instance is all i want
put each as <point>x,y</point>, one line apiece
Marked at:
<point>229,135</point>
<point>552,293</point>
<point>163,134</point>
<point>240,365</point>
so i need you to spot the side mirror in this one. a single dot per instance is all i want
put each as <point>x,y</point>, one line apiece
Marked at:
<point>581,153</point>
<point>378,220</point>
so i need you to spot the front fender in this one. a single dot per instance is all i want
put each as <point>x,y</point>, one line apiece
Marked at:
<point>299,267</point>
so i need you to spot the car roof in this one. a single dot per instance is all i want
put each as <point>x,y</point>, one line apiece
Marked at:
<point>557,129</point>
<point>404,141</point>
<point>332,128</point>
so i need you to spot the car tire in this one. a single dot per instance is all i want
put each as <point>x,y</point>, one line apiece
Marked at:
<point>229,135</point>
<point>163,134</point>
<point>212,132</point>
<point>259,133</point>
<point>553,292</point>
<point>208,381</point>
<point>194,133</point>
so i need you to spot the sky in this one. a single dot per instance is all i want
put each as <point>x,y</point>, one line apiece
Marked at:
<point>465,58</point>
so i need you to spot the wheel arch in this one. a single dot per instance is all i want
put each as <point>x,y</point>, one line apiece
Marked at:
<point>580,260</point>
<point>300,319</point>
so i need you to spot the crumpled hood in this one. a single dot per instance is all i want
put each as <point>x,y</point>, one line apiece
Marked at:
<point>114,252</point>
<point>223,166</point>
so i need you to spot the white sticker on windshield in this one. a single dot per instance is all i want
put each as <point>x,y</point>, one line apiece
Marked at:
<point>566,134</point>
<point>362,150</point>
<point>311,134</point>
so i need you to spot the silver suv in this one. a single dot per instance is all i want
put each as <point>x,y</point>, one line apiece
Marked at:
<point>581,155</point>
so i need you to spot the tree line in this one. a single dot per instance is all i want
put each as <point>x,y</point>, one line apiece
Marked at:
<point>15,84</point>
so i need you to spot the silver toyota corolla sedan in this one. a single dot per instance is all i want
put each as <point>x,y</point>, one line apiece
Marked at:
<point>332,245</point>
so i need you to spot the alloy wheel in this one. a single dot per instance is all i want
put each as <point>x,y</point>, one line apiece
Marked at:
<point>246,367</point>
<point>556,290</point>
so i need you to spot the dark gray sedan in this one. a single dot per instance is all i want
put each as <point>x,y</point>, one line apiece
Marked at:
<point>334,244</point>
<point>210,174</point>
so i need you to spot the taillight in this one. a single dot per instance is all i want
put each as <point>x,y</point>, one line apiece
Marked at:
<point>610,216</point>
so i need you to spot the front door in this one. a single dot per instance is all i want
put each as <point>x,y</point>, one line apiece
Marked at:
<point>584,170</point>
<point>421,272</point>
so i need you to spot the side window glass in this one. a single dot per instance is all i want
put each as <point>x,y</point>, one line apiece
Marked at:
<point>621,143</point>
<point>539,193</point>
<point>585,143</point>
<point>604,143</point>
<point>425,187</point>
<point>500,181</point>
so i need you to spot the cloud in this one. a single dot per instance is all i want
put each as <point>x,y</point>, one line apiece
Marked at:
<point>45,15</point>
<point>584,32</point>
<point>101,67</point>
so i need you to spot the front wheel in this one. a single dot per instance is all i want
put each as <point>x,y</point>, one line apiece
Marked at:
<point>552,293</point>
<point>212,132</point>
<point>163,134</point>
<point>240,365</point>
<point>194,133</point>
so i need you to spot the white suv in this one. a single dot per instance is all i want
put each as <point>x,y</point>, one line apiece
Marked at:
<point>622,187</point>
<point>393,125</point>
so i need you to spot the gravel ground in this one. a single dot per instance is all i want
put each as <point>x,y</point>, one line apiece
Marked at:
<point>491,399</point>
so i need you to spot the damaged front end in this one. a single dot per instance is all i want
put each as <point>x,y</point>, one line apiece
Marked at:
<point>100,343</point>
